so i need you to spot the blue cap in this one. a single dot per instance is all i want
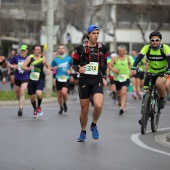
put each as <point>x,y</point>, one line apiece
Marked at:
<point>92,28</point>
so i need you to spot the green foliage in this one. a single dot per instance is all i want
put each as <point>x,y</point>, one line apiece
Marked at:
<point>11,95</point>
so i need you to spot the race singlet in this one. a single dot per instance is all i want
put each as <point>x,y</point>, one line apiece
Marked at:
<point>92,68</point>
<point>62,78</point>
<point>34,76</point>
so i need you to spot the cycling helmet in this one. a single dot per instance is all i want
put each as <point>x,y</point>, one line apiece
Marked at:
<point>92,28</point>
<point>155,33</point>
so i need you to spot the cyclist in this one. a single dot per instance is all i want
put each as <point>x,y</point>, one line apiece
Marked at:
<point>90,61</point>
<point>158,57</point>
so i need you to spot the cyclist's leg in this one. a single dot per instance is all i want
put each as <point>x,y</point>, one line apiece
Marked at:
<point>160,84</point>
<point>167,86</point>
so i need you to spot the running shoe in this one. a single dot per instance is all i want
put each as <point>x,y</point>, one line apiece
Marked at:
<point>95,133</point>
<point>20,112</point>
<point>65,107</point>
<point>60,111</point>
<point>121,111</point>
<point>82,137</point>
<point>39,111</point>
<point>134,96</point>
<point>35,114</point>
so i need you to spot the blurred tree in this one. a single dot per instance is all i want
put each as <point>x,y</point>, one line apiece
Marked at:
<point>74,12</point>
<point>150,15</point>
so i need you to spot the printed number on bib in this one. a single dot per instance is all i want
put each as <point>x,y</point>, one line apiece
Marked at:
<point>122,77</point>
<point>20,65</point>
<point>34,75</point>
<point>92,68</point>
<point>62,78</point>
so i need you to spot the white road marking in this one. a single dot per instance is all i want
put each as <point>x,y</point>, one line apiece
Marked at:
<point>135,139</point>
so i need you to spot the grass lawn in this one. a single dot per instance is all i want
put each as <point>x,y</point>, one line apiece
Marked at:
<point>11,95</point>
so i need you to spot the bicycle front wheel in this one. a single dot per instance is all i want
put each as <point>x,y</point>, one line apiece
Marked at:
<point>145,112</point>
<point>155,116</point>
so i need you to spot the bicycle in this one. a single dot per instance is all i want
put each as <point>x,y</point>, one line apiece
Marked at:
<point>150,104</point>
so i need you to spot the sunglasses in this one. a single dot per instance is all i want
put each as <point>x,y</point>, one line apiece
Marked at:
<point>152,40</point>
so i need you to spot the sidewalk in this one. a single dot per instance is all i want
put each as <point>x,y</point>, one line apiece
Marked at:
<point>163,139</point>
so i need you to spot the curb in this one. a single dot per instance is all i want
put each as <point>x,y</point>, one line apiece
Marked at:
<point>163,139</point>
<point>27,102</point>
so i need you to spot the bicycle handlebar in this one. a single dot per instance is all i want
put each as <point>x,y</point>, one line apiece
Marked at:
<point>151,74</point>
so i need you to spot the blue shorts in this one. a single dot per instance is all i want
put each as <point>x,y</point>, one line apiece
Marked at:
<point>33,86</point>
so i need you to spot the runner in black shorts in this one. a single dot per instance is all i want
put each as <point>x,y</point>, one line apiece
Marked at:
<point>62,64</point>
<point>20,77</point>
<point>90,61</point>
<point>36,63</point>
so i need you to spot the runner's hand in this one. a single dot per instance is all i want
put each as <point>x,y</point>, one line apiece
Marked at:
<point>68,72</point>
<point>133,70</point>
<point>82,69</point>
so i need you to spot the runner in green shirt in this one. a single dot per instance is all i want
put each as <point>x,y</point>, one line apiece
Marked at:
<point>121,65</point>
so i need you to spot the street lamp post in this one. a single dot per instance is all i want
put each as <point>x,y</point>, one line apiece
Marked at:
<point>49,52</point>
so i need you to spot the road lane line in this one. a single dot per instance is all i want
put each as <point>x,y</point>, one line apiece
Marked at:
<point>136,140</point>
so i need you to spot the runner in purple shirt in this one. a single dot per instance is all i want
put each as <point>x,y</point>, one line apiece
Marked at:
<point>21,76</point>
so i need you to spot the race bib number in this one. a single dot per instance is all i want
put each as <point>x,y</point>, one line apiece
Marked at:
<point>20,65</point>
<point>122,77</point>
<point>92,68</point>
<point>62,78</point>
<point>34,76</point>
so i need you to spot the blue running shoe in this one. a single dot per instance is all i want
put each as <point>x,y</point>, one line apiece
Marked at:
<point>82,137</point>
<point>95,133</point>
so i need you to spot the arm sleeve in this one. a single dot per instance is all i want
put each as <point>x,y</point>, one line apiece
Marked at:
<point>105,67</point>
<point>168,61</point>
<point>104,60</point>
<point>138,59</point>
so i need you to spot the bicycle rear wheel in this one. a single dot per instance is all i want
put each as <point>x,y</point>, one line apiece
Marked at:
<point>145,112</point>
<point>155,116</point>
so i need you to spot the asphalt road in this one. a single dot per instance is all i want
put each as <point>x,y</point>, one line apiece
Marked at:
<point>49,142</point>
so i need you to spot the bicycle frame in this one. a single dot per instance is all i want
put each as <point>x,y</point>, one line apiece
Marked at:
<point>150,105</point>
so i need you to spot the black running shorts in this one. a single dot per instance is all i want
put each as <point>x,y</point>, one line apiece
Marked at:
<point>89,87</point>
